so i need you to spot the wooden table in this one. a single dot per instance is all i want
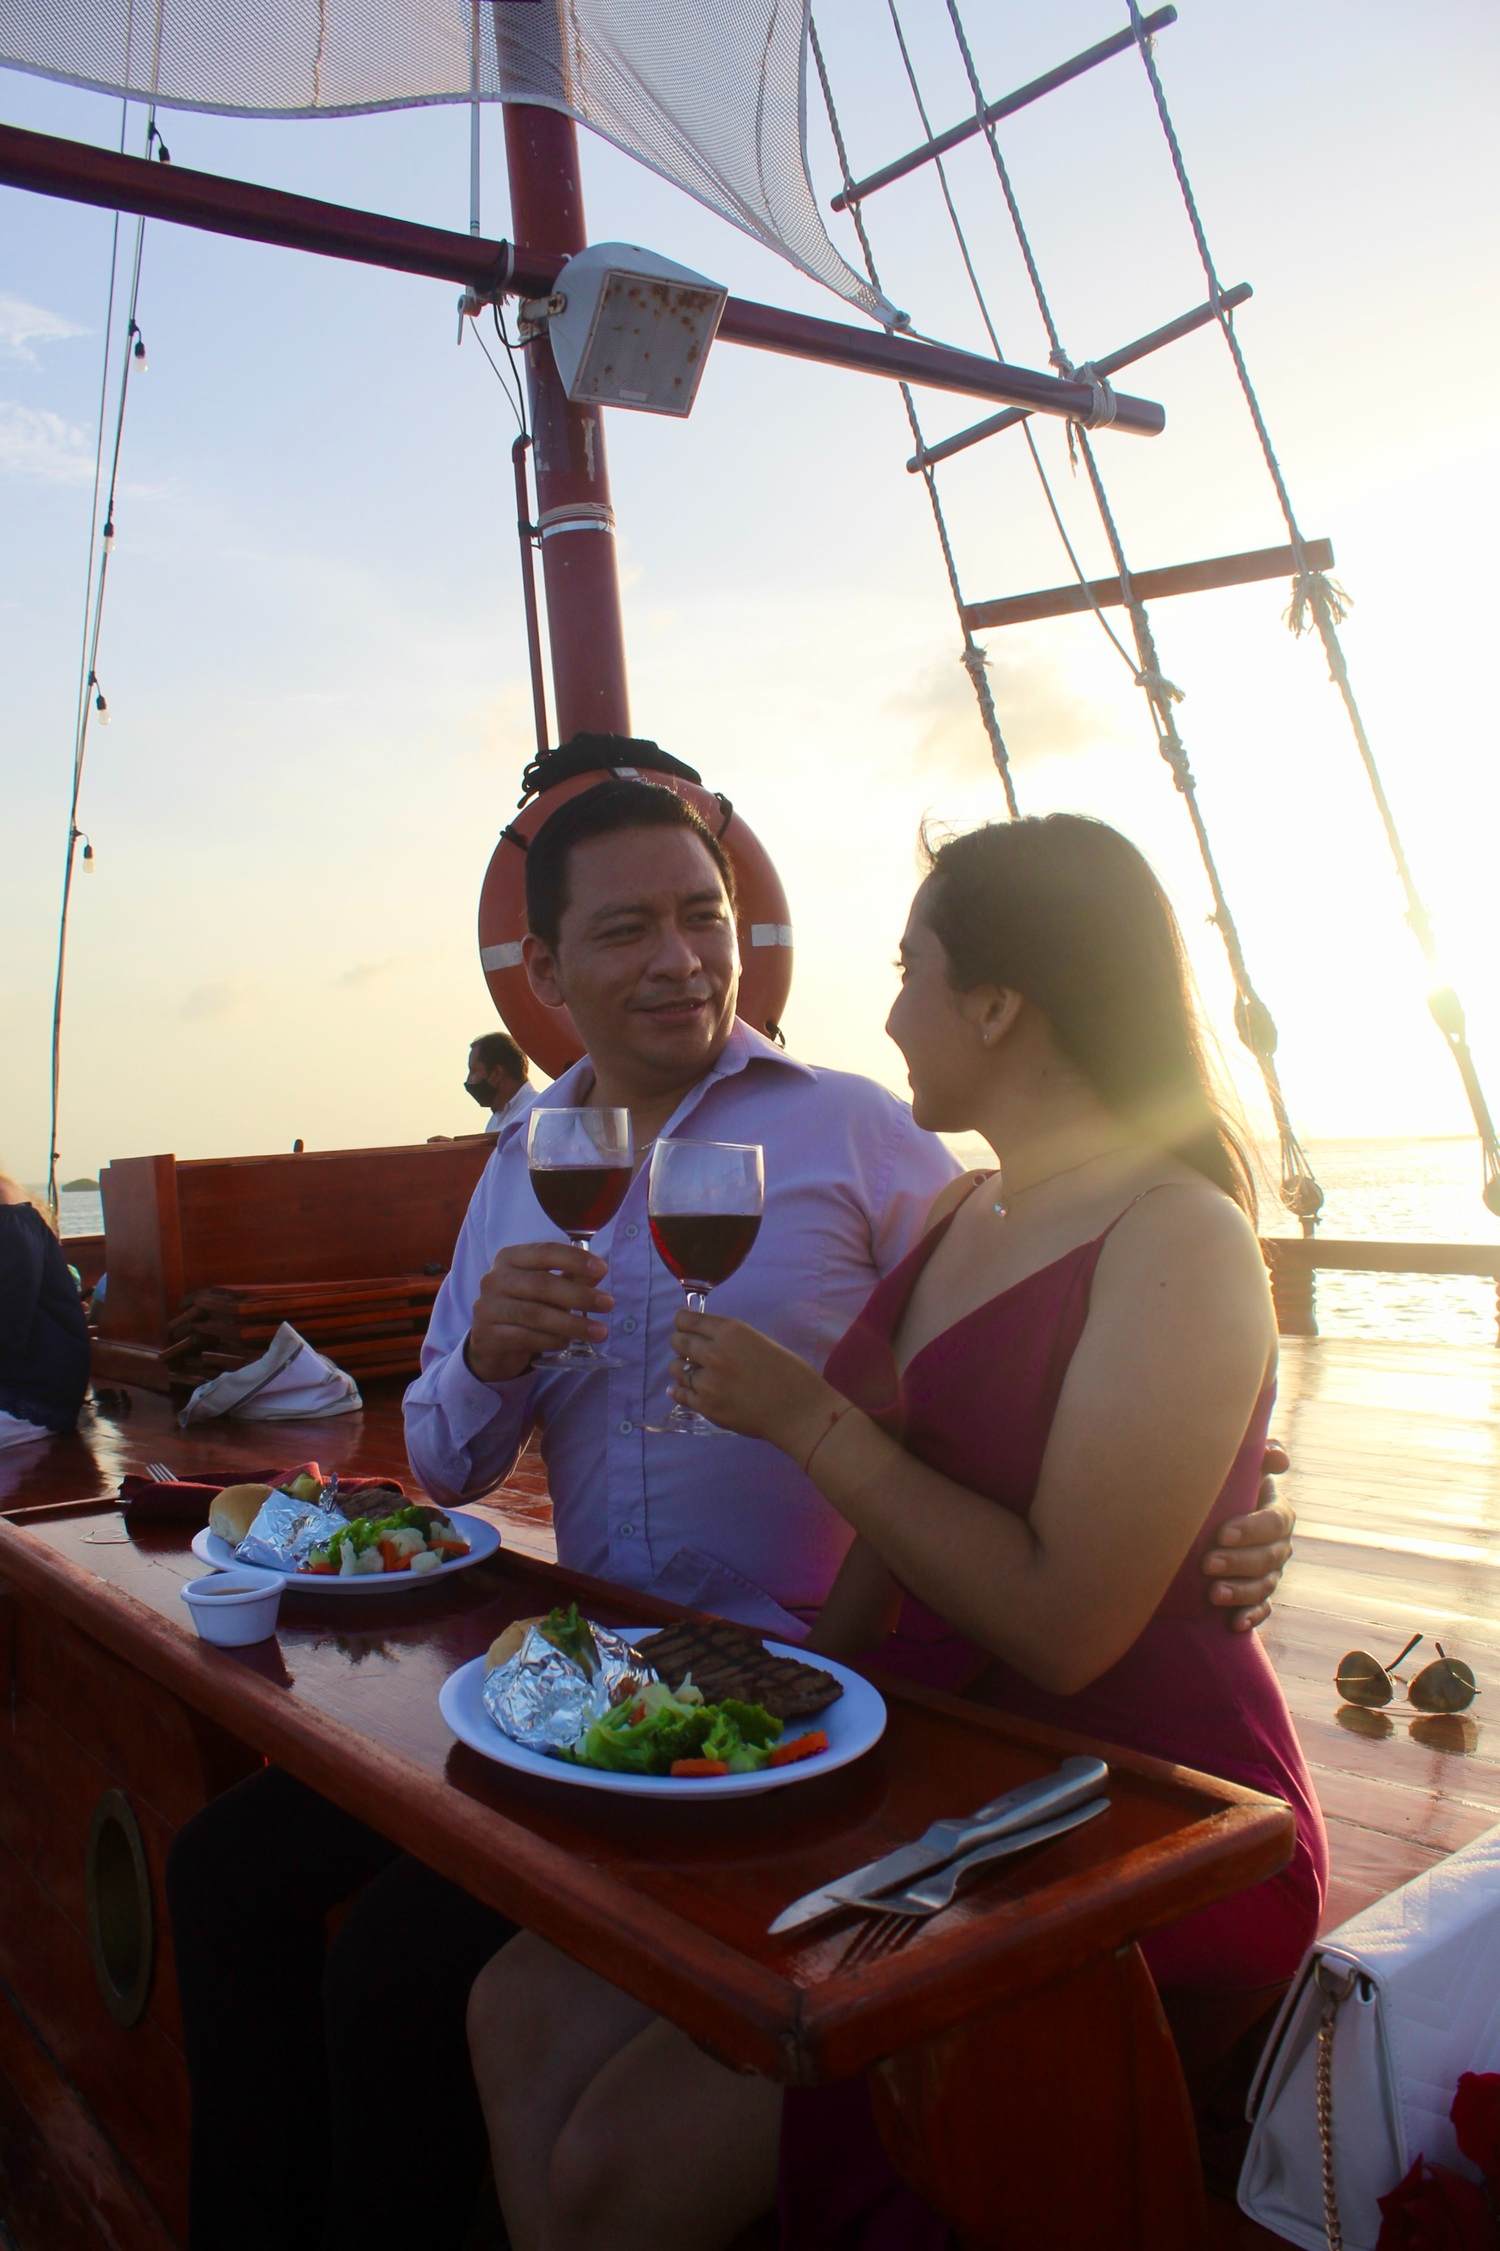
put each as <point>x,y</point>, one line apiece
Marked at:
<point>1005,2037</point>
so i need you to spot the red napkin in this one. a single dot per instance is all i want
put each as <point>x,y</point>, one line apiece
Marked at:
<point>188,1500</point>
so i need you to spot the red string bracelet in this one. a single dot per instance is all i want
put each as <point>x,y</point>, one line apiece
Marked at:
<point>839,1412</point>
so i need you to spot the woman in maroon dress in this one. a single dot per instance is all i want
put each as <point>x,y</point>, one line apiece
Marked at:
<point>1031,1428</point>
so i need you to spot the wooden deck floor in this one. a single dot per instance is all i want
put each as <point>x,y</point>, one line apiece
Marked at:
<point>1396,1481</point>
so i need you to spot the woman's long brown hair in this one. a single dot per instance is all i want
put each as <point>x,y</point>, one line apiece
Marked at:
<point>1066,912</point>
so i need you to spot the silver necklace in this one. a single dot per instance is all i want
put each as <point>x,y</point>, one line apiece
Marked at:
<point>1002,1204</point>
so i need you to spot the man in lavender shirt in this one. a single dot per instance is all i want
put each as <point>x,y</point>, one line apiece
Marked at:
<point>631,914</point>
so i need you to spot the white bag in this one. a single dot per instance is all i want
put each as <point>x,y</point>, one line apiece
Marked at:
<point>1384,2016</point>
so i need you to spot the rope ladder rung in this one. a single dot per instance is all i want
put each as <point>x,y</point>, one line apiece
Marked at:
<point>1148,586</point>
<point>1169,333</point>
<point>1123,43</point>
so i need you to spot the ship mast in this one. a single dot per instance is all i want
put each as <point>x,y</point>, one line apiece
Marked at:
<point>575,519</point>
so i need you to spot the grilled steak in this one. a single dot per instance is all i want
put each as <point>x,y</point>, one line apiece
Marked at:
<point>374,1501</point>
<point>727,1660</point>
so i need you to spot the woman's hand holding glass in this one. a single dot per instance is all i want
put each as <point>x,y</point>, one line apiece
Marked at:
<point>743,1382</point>
<point>704,1200</point>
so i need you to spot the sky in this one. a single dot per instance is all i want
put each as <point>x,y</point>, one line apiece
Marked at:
<point>313,651</point>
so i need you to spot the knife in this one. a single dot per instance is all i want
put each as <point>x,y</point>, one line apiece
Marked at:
<point>930,1894</point>
<point>1072,1782</point>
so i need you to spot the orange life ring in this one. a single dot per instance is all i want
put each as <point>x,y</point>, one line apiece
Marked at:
<point>547,1034</point>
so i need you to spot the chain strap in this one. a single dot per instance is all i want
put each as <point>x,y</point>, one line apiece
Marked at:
<point>1335,1987</point>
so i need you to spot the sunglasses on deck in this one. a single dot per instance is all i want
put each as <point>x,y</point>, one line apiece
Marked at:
<point>1445,1686</point>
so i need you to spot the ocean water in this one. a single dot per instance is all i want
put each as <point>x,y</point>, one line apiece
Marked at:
<point>1395,1191</point>
<point>1402,1192</point>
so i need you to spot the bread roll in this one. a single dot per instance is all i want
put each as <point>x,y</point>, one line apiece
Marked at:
<point>504,1646</point>
<point>235,1511</point>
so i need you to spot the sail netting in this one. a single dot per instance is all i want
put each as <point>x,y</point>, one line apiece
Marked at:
<point>710,94</point>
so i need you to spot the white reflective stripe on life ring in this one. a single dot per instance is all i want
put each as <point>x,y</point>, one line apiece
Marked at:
<point>770,933</point>
<point>507,956</point>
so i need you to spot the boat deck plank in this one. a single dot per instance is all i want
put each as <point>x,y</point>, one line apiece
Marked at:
<point>1396,1479</point>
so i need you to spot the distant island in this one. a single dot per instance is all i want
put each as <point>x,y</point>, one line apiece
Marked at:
<point>81,1187</point>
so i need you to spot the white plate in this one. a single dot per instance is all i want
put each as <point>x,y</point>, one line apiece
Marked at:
<point>852,1723</point>
<point>483,1538</point>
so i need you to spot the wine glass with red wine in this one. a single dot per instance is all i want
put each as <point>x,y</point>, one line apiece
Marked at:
<point>704,1202</point>
<point>581,1162</point>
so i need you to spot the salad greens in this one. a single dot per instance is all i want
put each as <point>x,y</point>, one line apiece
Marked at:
<point>364,1531</point>
<point>412,1538</point>
<point>650,1731</point>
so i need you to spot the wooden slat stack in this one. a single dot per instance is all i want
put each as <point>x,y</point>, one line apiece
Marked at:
<point>371,1328</point>
<point>207,1255</point>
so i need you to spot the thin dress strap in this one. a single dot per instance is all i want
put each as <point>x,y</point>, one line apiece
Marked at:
<point>1154,1190</point>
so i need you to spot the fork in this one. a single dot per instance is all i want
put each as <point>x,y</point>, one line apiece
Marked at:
<point>896,1915</point>
<point>160,1473</point>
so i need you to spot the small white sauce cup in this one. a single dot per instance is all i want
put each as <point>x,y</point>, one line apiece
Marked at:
<point>235,1607</point>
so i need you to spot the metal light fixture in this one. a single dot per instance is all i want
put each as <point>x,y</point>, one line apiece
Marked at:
<point>630,328</point>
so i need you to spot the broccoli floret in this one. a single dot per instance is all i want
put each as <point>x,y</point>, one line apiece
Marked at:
<point>755,1723</point>
<point>743,1749</point>
<point>646,1747</point>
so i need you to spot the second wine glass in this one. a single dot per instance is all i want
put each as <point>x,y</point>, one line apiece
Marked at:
<point>704,1202</point>
<point>581,1162</point>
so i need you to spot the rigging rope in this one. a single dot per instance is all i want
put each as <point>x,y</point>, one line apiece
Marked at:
<point>90,695</point>
<point>1253,1020</point>
<point>1317,598</point>
<point>973,659</point>
<point>984,312</point>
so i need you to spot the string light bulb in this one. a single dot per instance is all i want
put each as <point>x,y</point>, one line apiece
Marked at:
<point>88,857</point>
<point>100,705</point>
<point>109,535</point>
<point>154,139</point>
<point>138,350</point>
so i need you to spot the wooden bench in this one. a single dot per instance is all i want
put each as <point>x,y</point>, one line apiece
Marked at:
<point>337,1215</point>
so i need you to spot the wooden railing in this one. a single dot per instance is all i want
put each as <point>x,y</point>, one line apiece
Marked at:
<point>1294,1260</point>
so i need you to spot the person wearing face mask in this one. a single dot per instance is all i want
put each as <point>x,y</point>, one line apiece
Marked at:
<point>498,1079</point>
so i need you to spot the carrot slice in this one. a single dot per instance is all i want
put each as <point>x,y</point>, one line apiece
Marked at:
<point>804,1747</point>
<point>699,1766</point>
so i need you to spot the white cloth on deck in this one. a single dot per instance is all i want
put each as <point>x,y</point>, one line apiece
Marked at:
<point>289,1379</point>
